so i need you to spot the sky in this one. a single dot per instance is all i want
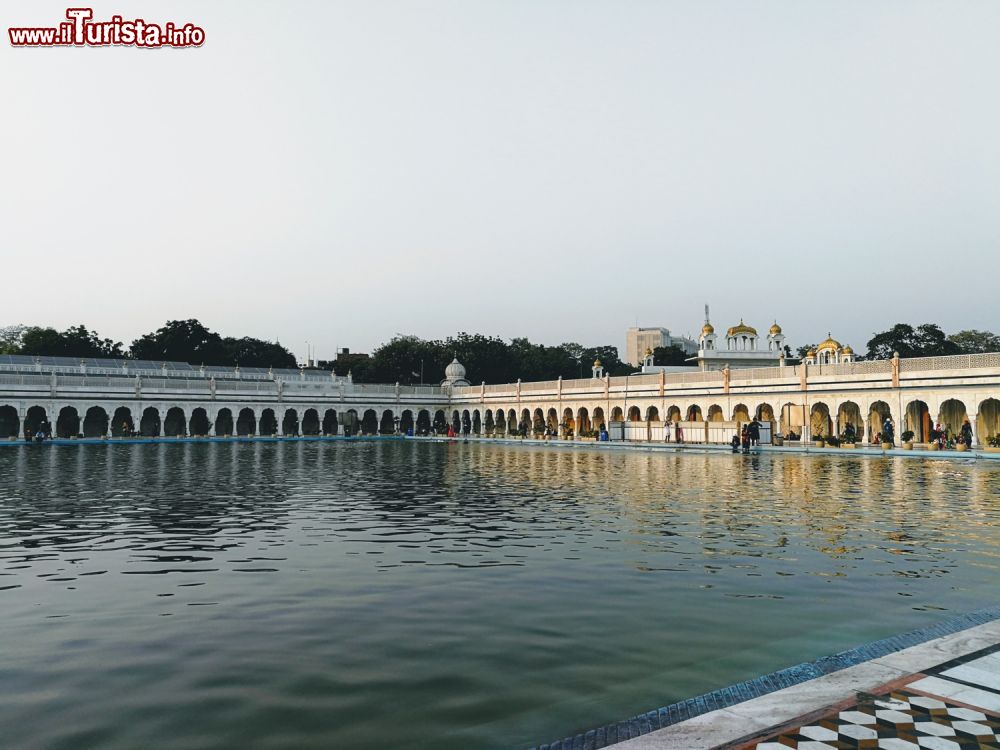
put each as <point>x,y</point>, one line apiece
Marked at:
<point>340,172</point>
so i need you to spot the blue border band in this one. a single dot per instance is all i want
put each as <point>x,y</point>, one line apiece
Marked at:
<point>641,724</point>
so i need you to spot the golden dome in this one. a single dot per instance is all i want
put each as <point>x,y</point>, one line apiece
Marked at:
<point>597,363</point>
<point>830,343</point>
<point>811,353</point>
<point>707,329</point>
<point>741,328</point>
<point>775,329</point>
<point>648,351</point>
<point>847,350</point>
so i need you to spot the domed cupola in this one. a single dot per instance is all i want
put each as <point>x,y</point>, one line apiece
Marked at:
<point>454,374</point>
<point>741,338</point>
<point>775,339</point>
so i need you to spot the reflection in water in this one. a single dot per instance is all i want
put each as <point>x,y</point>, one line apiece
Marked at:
<point>448,595</point>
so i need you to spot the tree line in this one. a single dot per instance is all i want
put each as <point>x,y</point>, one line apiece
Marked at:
<point>411,360</point>
<point>926,340</point>
<point>177,341</point>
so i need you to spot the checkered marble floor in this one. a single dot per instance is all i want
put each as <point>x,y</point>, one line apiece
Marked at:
<point>955,706</point>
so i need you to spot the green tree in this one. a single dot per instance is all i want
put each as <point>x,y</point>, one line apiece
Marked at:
<point>10,338</point>
<point>671,356</point>
<point>182,341</point>
<point>927,340</point>
<point>608,354</point>
<point>975,342</point>
<point>250,352</point>
<point>75,341</point>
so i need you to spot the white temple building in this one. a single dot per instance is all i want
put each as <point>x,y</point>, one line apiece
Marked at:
<point>742,347</point>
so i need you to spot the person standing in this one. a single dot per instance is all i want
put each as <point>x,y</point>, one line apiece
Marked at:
<point>966,432</point>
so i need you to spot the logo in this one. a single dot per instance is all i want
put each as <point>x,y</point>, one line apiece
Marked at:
<point>80,30</point>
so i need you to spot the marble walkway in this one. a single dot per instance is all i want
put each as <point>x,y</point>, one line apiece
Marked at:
<point>941,695</point>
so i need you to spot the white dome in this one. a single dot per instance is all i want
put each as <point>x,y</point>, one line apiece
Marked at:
<point>455,371</point>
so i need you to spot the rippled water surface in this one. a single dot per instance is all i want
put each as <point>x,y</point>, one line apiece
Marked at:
<point>372,595</point>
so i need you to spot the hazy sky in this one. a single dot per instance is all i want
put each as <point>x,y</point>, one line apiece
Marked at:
<point>339,172</point>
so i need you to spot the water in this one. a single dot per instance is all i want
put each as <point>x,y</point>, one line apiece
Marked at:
<point>373,595</point>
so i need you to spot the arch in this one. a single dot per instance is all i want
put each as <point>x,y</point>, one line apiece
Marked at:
<point>175,422</point>
<point>68,422</point>
<point>37,420</point>
<point>552,420</point>
<point>224,423</point>
<point>310,422</point>
<point>598,418</point>
<point>715,414</point>
<point>741,413</point>
<point>792,421</point>
<point>423,423</point>
<point>330,425</point>
<point>674,413</point>
<point>951,415</point>
<point>617,415</point>
<point>538,421</point>
<point>150,424</point>
<point>352,424</point>
<point>987,420</point>
<point>246,422</point>
<point>268,423</point>
<point>848,413</point>
<point>122,423</point>
<point>387,422</point>
<point>819,420</point>
<point>764,413</point>
<point>466,421</point>
<point>500,425</point>
<point>568,422</point>
<point>198,424</point>
<point>406,422</point>
<point>878,412</point>
<point>10,423</point>
<point>917,417</point>
<point>524,423</point>
<point>94,422</point>
<point>634,415</point>
<point>583,424</point>
<point>477,422</point>
<point>290,422</point>
<point>511,421</point>
<point>652,414</point>
<point>694,413</point>
<point>369,422</point>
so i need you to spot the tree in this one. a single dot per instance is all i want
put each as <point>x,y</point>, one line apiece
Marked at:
<point>10,338</point>
<point>927,340</point>
<point>804,350</point>
<point>182,341</point>
<point>975,342</point>
<point>671,356</point>
<point>75,341</point>
<point>250,352</point>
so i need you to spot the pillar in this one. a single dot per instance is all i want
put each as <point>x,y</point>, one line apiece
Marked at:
<point>256,423</point>
<point>975,432</point>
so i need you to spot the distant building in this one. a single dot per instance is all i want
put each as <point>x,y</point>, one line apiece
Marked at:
<point>638,340</point>
<point>742,347</point>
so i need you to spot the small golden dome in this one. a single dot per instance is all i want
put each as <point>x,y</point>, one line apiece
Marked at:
<point>597,363</point>
<point>830,343</point>
<point>741,328</point>
<point>707,329</point>
<point>811,353</point>
<point>775,329</point>
<point>847,350</point>
<point>648,351</point>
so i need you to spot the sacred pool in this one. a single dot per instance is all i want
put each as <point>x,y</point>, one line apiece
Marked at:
<point>448,595</point>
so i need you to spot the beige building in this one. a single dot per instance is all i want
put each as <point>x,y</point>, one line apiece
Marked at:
<point>638,340</point>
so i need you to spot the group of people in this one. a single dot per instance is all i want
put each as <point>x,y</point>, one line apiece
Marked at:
<point>749,436</point>
<point>671,427</point>
<point>44,432</point>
